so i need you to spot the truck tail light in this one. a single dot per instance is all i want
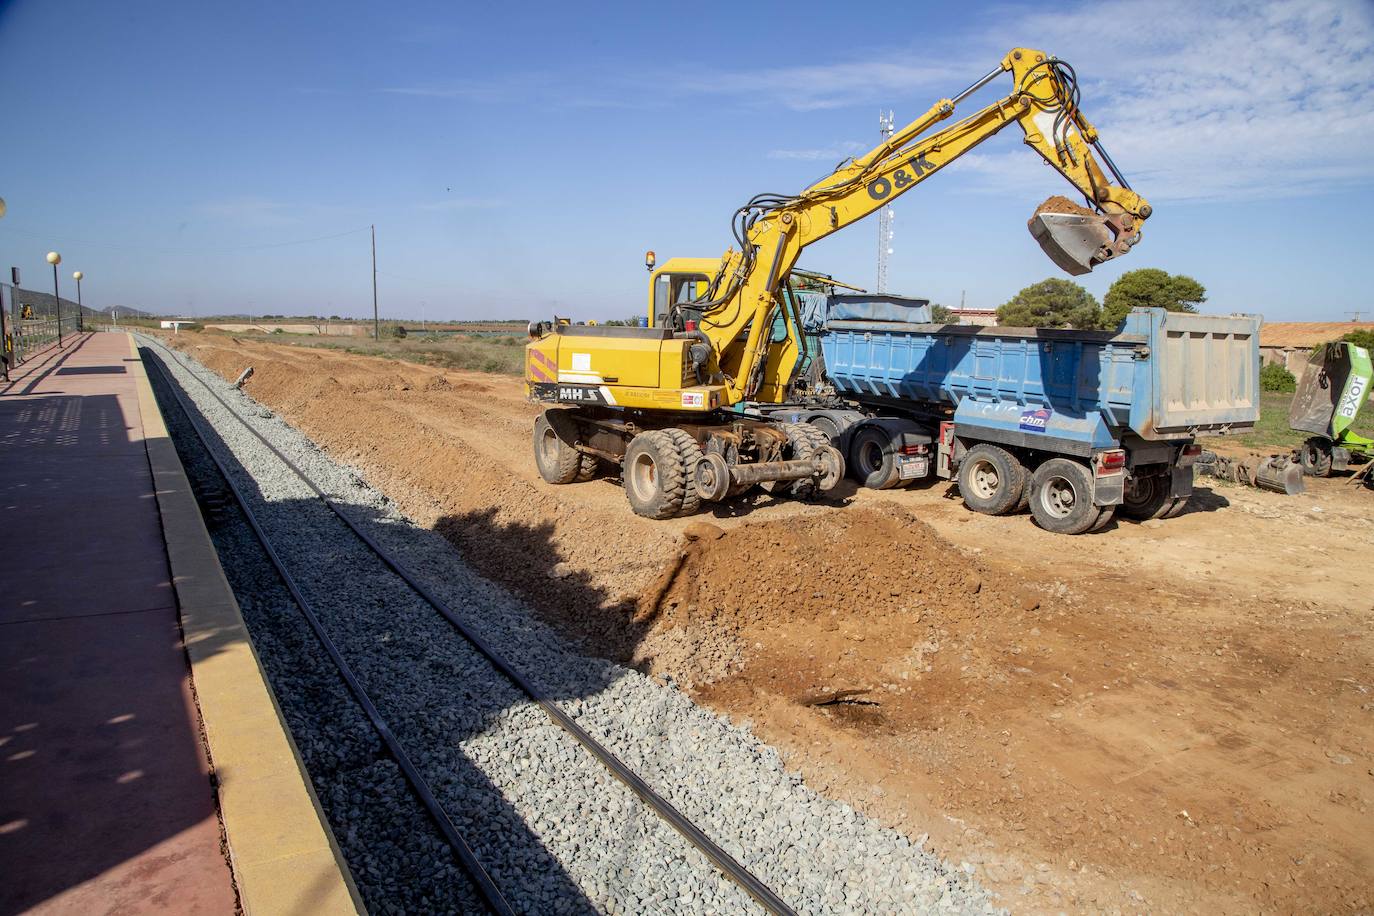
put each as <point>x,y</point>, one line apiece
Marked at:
<point>1111,462</point>
<point>1189,455</point>
<point>917,449</point>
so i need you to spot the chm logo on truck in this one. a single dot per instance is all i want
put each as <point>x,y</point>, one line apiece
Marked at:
<point>1035,421</point>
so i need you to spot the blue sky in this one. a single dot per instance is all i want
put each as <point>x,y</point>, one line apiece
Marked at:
<point>518,159</point>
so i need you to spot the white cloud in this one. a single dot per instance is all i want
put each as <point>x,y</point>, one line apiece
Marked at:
<point>1195,101</point>
<point>1222,101</point>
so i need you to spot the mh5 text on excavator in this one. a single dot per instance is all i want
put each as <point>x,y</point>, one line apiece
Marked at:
<point>657,401</point>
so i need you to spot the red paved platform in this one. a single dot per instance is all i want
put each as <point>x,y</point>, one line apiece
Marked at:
<point>105,801</point>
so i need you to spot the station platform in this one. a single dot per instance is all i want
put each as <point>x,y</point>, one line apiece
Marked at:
<point>144,765</point>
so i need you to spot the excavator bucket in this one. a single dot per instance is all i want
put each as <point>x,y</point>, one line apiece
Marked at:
<point>1074,237</point>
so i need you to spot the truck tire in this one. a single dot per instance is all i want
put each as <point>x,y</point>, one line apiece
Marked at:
<point>1147,496</point>
<point>991,480</point>
<point>1104,518</point>
<point>1176,507</point>
<point>1315,457</point>
<point>871,457</point>
<point>1062,497</point>
<point>557,461</point>
<point>655,480</point>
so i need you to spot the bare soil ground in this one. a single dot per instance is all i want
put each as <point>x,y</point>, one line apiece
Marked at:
<point>1174,716</point>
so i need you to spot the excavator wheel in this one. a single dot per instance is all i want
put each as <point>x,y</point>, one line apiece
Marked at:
<point>689,453</point>
<point>557,461</point>
<point>657,481</point>
<point>589,468</point>
<point>803,441</point>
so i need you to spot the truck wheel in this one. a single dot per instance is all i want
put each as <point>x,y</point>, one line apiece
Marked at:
<point>870,455</point>
<point>557,461</point>
<point>1176,507</point>
<point>655,480</point>
<point>991,480</point>
<point>1315,457</point>
<point>1146,497</point>
<point>1104,518</point>
<point>1062,497</point>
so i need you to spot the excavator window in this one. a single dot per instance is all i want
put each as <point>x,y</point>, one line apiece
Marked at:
<point>675,288</point>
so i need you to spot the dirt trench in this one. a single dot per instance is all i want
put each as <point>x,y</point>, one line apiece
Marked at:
<point>1171,716</point>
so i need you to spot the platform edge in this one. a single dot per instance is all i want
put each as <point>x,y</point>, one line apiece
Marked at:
<point>282,851</point>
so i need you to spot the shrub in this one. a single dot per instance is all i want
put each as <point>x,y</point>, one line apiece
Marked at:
<point>1274,377</point>
<point>1361,338</point>
<point>398,332</point>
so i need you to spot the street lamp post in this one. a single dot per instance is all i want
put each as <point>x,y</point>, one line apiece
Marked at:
<point>80,322</point>
<point>54,259</point>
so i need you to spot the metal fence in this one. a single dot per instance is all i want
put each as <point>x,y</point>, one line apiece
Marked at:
<point>33,321</point>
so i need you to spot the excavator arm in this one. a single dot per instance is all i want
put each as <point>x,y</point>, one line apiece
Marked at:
<point>772,230</point>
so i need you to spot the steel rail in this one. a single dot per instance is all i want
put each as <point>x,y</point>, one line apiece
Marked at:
<point>495,901</point>
<point>728,866</point>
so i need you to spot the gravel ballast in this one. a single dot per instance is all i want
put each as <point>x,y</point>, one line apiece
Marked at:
<point>557,832</point>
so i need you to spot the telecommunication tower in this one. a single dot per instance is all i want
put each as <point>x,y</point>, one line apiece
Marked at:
<point>885,125</point>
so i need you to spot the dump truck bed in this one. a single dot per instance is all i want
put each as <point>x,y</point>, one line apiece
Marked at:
<point>1161,375</point>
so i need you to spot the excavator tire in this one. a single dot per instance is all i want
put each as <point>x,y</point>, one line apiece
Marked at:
<point>589,468</point>
<point>689,453</point>
<point>655,480</point>
<point>803,440</point>
<point>557,461</point>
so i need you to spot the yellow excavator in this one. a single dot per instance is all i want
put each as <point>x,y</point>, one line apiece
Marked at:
<point>657,401</point>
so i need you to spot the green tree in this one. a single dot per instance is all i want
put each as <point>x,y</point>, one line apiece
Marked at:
<point>1052,303</point>
<point>1364,337</point>
<point>1150,287</point>
<point>941,315</point>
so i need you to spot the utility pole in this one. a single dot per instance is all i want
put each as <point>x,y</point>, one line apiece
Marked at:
<point>376,322</point>
<point>885,125</point>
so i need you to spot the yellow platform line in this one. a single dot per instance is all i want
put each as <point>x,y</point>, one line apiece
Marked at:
<point>283,854</point>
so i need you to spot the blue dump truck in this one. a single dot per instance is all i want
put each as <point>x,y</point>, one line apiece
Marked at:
<point>1077,425</point>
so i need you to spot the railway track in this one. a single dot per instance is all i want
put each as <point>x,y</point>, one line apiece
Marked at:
<point>487,886</point>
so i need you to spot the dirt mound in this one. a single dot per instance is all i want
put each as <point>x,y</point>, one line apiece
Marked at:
<point>862,564</point>
<point>830,580</point>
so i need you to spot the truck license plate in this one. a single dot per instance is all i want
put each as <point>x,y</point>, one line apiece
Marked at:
<point>912,466</point>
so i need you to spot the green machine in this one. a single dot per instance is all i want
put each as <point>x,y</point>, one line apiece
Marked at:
<point>1333,390</point>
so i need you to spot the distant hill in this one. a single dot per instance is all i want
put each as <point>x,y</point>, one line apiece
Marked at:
<point>125,311</point>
